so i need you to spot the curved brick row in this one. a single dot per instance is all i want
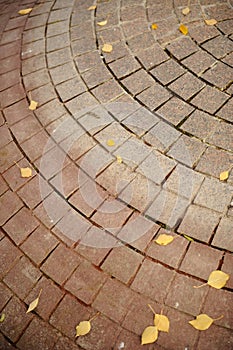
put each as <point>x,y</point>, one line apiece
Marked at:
<point>73,229</point>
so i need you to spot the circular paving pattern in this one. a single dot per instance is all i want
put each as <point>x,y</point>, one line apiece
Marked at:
<point>124,146</point>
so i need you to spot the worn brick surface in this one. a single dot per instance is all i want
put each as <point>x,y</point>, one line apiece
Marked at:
<point>9,255</point>
<point>221,238</point>
<point>209,99</point>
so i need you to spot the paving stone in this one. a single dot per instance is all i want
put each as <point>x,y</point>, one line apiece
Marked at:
<point>49,298</point>
<point>216,337</point>
<point>5,136</point>
<point>199,223</point>
<point>86,282</point>
<point>174,252</point>
<point>194,298</point>
<point>225,111</point>
<point>153,280</point>
<point>12,95</point>
<point>162,136</point>
<point>227,267</point>
<point>141,41</point>
<point>96,76</point>
<point>107,91</point>
<point>110,35</point>
<point>108,336</point>
<point>32,49</point>
<point>219,46</point>
<point>228,59</point>
<point>10,204</point>
<point>130,13</point>
<point>199,62</point>
<point>220,75</point>
<point>120,50</point>
<point>25,128</point>
<point>135,27</point>
<point>138,82</point>
<point>201,33</point>
<point>122,263</point>
<point>11,35</point>
<point>175,110</point>
<point>154,96</point>
<point>16,319</point>
<point>57,42</point>
<point>16,112</point>
<point>62,73</point>
<point>9,256</point>
<point>33,34</point>
<point>206,124</point>
<point>82,46</point>
<point>182,48</point>
<point>209,99</point>
<point>113,132</point>
<point>38,335</point>
<point>113,299</point>
<point>70,89</point>
<point>64,343</point>
<point>9,79</point>
<point>201,260</point>
<point>152,56</point>
<point>36,21</point>
<point>88,60</point>
<point>124,66</point>
<point>222,137</point>
<point>58,57</point>
<point>214,162</point>
<point>214,195</point>
<point>5,295</point>
<point>186,86</point>
<point>3,185</point>
<point>44,94</point>
<point>122,107</point>
<point>9,63</point>
<point>167,71</point>
<point>141,121</point>
<point>222,237</point>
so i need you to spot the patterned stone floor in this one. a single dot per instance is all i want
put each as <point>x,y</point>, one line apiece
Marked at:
<point>123,146</point>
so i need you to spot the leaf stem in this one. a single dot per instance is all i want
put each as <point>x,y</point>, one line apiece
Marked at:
<point>202,285</point>
<point>93,317</point>
<point>152,309</point>
<point>219,318</point>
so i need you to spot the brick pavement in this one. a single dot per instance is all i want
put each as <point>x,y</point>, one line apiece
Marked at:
<point>124,146</point>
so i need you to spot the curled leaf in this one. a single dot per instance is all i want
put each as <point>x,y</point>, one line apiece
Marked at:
<point>111,142</point>
<point>107,48</point>
<point>161,322</point>
<point>102,23</point>
<point>93,7</point>
<point>218,279</point>
<point>224,175</point>
<point>186,11</point>
<point>164,239</point>
<point>210,22</point>
<point>83,328</point>
<point>26,172</point>
<point>34,303</point>
<point>25,11</point>
<point>183,29</point>
<point>154,26</point>
<point>33,105</point>
<point>119,159</point>
<point>149,335</point>
<point>203,322</point>
<point>2,318</point>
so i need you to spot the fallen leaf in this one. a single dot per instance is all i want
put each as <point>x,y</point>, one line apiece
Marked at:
<point>111,142</point>
<point>107,48</point>
<point>149,335</point>
<point>34,303</point>
<point>161,322</point>
<point>218,279</point>
<point>188,238</point>
<point>183,29</point>
<point>164,239</point>
<point>2,318</point>
<point>154,26</point>
<point>102,23</point>
<point>224,175</point>
<point>33,105</point>
<point>93,7</point>
<point>186,11</point>
<point>203,322</point>
<point>210,22</point>
<point>26,172</point>
<point>119,159</point>
<point>83,328</point>
<point>25,11</point>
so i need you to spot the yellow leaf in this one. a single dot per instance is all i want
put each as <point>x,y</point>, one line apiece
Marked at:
<point>224,175</point>
<point>154,26</point>
<point>2,318</point>
<point>149,335</point>
<point>34,303</point>
<point>183,29</point>
<point>210,22</point>
<point>102,23</point>
<point>164,239</point>
<point>83,328</point>
<point>111,142</point>
<point>107,48</point>
<point>203,322</point>
<point>188,238</point>
<point>26,172</point>
<point>218,279</point>
<point>161,322</point>
<point>33,105</point>
<point>25,11</point>
<point>119,159</point>
<point>93,7</point>
<point>186,11</point>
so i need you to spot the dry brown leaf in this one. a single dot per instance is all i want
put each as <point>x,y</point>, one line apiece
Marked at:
<point>210,22</point>
<point>186,11</point>
<point>102,23</point>
<point>110,142</point>
<point>93,7</point>
<point>183,29</point>
<point>107,48</point>
<point>33,105</point>
<point>161,322</point>
<point>34,303</point>
<point>224,175</point>
<point>26,172</point>
<point>164,239</point>
<point>203,322</point>
<point>25,11</point>
<point>83,328</point>
<point>149,335</point>
<point>154,26</point>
